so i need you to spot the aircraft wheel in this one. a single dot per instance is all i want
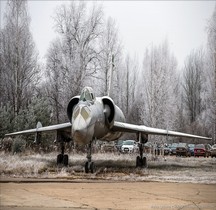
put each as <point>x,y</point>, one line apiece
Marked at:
<point>59,159</point>
<point>65,160</point>
<point>144,162</point>
<point>89,167</point>
<point>86,167</point>
<point>141,162</point>
<point>138,161</point>
<point>92,167</point>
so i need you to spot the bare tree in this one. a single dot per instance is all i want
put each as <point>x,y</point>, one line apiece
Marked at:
<point>158,83</point>
<point>79,31</point>
<point>55,77</point>
<point>19,67</point>
<point>192,84</point>
<point>211,75</point>
<point>132,94</point>
<point>110,55</point>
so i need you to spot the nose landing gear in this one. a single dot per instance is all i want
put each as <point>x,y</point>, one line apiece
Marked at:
<point>89,165</point>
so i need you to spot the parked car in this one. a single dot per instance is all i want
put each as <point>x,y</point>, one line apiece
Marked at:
<point>173,148</point>
<point>167,150</point>
<point>118,145</point>
<point>213,151</point>
<point>182,149</point>
<point>148,147</point>
<point>202,150</point>
<point>129,146</point>
<point>191,148</point>
<point>108,147</point>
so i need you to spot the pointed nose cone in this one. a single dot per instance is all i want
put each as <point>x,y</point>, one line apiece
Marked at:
<point>82,131</point>
<point>79,130</point>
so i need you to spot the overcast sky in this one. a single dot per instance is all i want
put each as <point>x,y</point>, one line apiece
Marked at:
<point>140,23</point>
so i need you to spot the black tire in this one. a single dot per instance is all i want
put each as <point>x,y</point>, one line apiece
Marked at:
<point>65,160</point>
<point>141,162</point>
<point>144,162</point>
<point>138,161</point>
<point>59,159</point>
<point>92,167</point>
<point>86,167</point>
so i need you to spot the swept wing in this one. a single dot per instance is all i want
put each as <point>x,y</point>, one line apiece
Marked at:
<point>131,128</point>
<point>63,126</point>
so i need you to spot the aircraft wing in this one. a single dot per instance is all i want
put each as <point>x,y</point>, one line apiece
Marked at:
<point>63,126</point>
<point>131,128</point>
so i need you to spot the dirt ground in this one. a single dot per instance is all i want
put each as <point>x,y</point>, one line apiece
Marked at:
<point>47,194</point>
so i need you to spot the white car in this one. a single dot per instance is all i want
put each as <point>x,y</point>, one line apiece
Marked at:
<point>129,146</point>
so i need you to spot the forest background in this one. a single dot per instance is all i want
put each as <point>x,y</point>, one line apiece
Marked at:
<point>154,92</point>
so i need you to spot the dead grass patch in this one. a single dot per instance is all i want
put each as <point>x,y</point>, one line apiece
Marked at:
<point>110,166</point>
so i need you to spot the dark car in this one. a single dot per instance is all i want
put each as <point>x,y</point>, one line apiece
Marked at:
<point>191,148</point>
<point>213,151</point>
<point>182,149</point>
<point>118,145</point>
<point>173,148</point>
<point>148,147</point>
<point>202,150</point>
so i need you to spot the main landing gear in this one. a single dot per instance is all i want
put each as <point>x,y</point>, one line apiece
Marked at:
<point>141,161</point>
<point>89,165</point>
<point>62,159</point>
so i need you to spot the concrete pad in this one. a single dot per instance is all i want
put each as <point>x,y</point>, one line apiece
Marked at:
<point>107,195</point>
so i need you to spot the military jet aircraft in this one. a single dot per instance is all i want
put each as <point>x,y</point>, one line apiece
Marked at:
<point>93,118</point>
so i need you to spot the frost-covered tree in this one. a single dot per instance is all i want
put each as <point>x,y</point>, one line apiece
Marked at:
<point>195,92</point>
<point>110,56</point>
<point>192,84</point>
<point>79,28</point>
<point>131,99</point>
<point>6,118</point>
<point>157,84</point>
<point>19,63</point>
<point>210,77</point>
<point>56,80</point>
<point>19,69</point>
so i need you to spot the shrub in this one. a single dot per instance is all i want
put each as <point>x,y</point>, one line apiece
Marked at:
<point>18,145</point>
<point>6,144</point>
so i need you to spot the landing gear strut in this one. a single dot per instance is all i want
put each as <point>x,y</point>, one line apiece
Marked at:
<point>89,165</point>
<point>62,158</point>
<point>140,160</point>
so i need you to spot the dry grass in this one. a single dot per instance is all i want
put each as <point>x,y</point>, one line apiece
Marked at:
<point>110,166</point>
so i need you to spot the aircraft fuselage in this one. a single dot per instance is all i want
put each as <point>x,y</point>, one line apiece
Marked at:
<point>89,121</point>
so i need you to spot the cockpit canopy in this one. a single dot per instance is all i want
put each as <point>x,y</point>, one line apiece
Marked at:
<point>87,94</point>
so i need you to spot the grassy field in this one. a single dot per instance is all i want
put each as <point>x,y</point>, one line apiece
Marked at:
<point>110,166</point>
